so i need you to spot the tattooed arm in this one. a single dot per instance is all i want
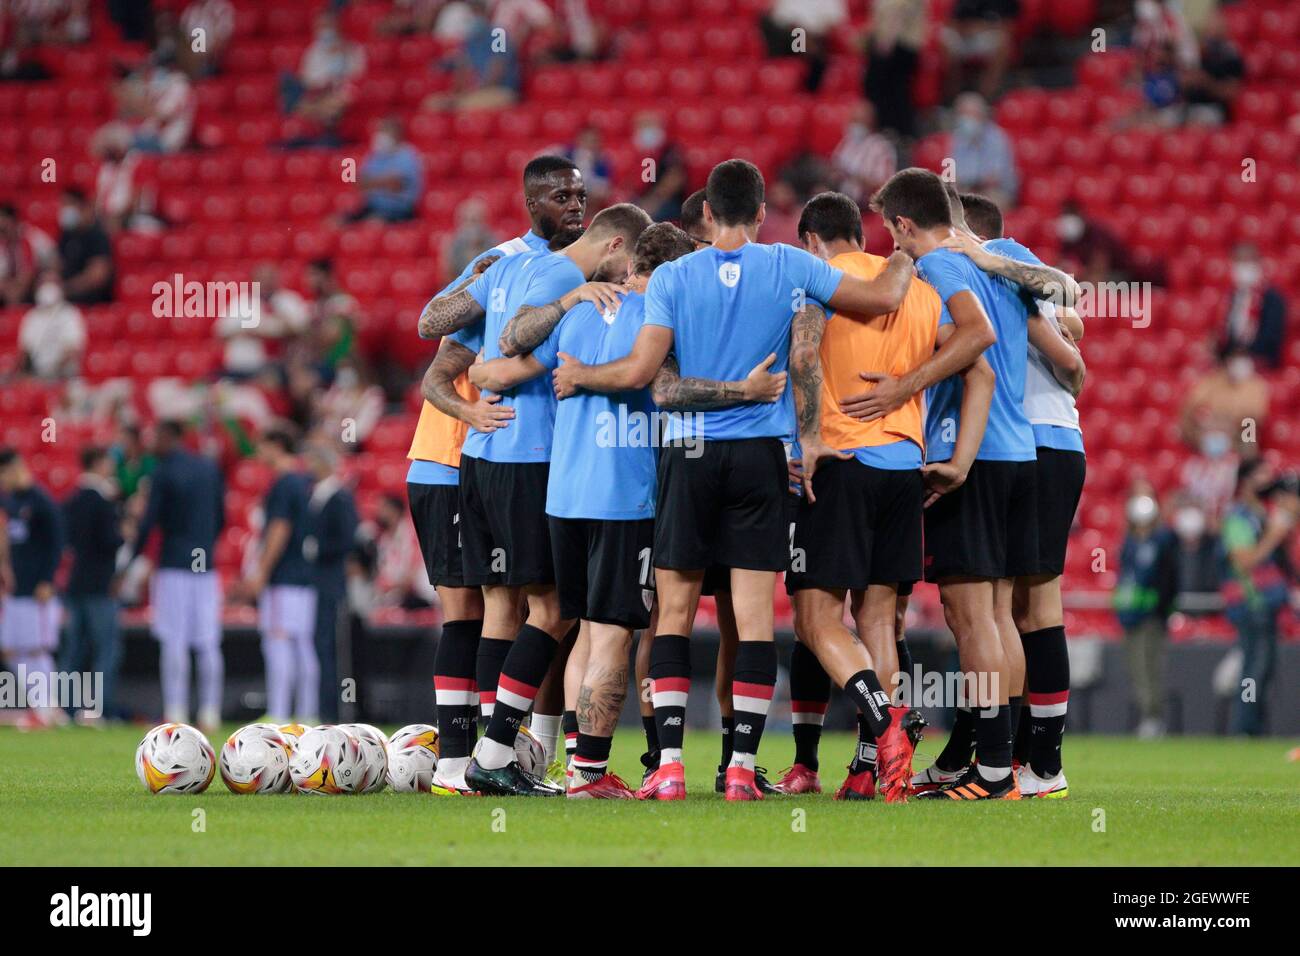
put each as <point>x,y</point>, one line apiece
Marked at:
<point>669,390</point>
<point>637,369</point>
<point>806,374</point>
<point>1039,280</point>
<point>530,326</point>
<point>439,390</point>
<point>449,313</point>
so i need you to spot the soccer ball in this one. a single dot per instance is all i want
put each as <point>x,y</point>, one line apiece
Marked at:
<point>530,753</point>
<point>291,733</point>
<point>175,758</point>
<point>412,758</point>
<point>374,750</point>
<point>327,760</point>
<point>255,759</point>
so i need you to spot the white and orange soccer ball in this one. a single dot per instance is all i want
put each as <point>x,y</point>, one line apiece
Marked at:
<point>292,733</point>
<point>327,760</point>
<point>412,758</point>
<point>374,751</point>
<point>175,758</point>
<point>255,759</point>
<point>530,753</point>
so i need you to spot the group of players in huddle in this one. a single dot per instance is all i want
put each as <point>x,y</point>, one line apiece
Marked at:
<point>623,417</point>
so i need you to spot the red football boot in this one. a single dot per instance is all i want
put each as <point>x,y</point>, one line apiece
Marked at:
<point>799,779</point>
<point>741,785</point>
<point>858,786</point>
<point>894,756</point>
<point>608,786</point>
<point>666,783</point>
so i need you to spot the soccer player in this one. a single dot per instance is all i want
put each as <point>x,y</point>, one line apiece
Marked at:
<point>723,477</point>
<point>975,540</point>
<point>187,506</point>
<point>466,666</point>
<point>862,537</point>
<point>29,616</point>
<point>1053,378</point>
<point>282,586</point>
<point>509,310</point>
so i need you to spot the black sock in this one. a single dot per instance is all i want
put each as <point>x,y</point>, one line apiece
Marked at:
<point>569,723</point>
<point>591,756</point>
<point>905,664</point>
<point>993,738</point>
<point>961,741</point>
<point>728,740</point>
<point>810,692</point>
<point>751,696</point>
<point>670,674</point>
<point>454,687</point>
<point>1047,666</point>
<point>864,690</point>
<point>1014,705</point>
<point>1020,736</point>
<point>651,734</point>
<point>864,757</point>
<point>492,653</point>
<point>522,674</point>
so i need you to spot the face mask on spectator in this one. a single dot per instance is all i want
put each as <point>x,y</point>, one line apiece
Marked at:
<point>1189,523</point>
<point>969,125</point>
<point>1240,368</point>
<point>1214,444</point>
<point>1245,274</point>
<point>49,294</point>
<point>649,137</point>
<point>382,142</point>
<point>69,217</point>
<point>1069,227</point>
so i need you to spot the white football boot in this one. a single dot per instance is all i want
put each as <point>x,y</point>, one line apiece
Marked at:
<point>1051,788</point>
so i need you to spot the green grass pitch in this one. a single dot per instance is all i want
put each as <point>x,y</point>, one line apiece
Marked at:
<point>70,797</point>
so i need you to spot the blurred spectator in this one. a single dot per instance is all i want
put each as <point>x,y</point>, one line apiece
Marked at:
<point>667,189</point>
<point>411,18</point>
<point>977,37</point>
<point>864,159</point>
<point>208,24</point>
<point>1093,252</point>
<point>894,44</point>
<point>85,253</point>
<point>817,21</point>
<point>401,579</point>
<point>24,252</point>
<point>133,462</point>
<point>1257,534</point>
<point>322,88</point>
<point>331,533</point>
<point>981,152</point>
<point>781,224</point>
<point>391,177</point>
<point>485,72</point>
<point>1166,48</point>
<point>457,19</point>
<point>52,334</point>
<point>1231,401</point>
<point>123,197</point>
<point>588,154</point>
<point>1209,474</point>
<point>1256,320</point>
<point>94,535</point>
<point>1198,546</point>
<point>471,236</point>
<point>29,612</point>
<point>520,19</point>
<point>1212,86</point>
<point>1144,598</point>
<point>251,341</point>
<point>52,22</point>
<point>158,103</point>
<point>333,319</point>
<point>20,60</point>
<point>350,408</point>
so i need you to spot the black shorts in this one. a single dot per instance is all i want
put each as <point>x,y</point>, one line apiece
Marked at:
<point>1060,477</point>
<point>435,512</point>
<point>603,570</point>
<point>987,528</point>
<point>717,579</point>
<point>725,505</point>
<point>864,529</point>
<point>503,529</point>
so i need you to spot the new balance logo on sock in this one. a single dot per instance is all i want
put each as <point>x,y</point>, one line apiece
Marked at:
<point>744,729</point>
<point>672,721</point>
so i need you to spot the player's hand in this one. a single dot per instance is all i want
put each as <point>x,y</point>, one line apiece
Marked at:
<point>897,256</point>
<point>794,472</point>
<point>486,415</point>
<point>760,385</point>
<point>941,478</point>
<point>813,452</point>
<point>565,377</point>
<point>484,264</point>
<point>963,242</point>
<point>887,396</point>
<point>604,295</point>
<point>43,592</point>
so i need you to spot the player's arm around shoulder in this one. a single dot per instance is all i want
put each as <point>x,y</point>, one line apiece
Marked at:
<point>635,370</point>
<point>1067,361</point>
<point>676,394</point>
<point>865,298</point>
<point>1039,279</point>
<point>455,308</point>
<point>531,324</point>
<point>503,374</point>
